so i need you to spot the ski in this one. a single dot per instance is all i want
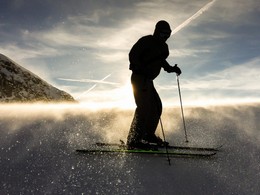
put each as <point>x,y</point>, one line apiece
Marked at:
<point>151,152</point>
<point>122,145</point>
<point>195,148</point>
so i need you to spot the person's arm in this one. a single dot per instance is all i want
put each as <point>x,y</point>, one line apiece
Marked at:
<point>167,67</point>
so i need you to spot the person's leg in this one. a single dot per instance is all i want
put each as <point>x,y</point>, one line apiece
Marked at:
<point>142,94</point>
<point>154,116</point>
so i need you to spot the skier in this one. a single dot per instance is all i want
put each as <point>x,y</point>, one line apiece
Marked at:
<point>147,57</point>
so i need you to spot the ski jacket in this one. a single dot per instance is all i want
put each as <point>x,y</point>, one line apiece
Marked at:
<point>148,56</point>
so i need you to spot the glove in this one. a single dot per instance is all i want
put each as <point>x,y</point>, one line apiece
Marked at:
<point>175,69</point>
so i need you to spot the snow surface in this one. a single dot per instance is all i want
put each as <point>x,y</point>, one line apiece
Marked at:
<point>37,147</point>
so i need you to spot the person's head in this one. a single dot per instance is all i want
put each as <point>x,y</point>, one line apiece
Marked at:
<point>162,30</point>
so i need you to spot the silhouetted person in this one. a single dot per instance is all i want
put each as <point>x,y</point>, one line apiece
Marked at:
<point>147,57</point>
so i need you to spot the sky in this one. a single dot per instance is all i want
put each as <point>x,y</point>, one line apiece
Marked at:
<point>82,46</point>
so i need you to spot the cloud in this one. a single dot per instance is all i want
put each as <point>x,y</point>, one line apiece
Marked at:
<point>112,56</point>
<point>236,11</point>
<point>240,77</point>
<point>17,4</point>
<point>187,52</point>
<point>244,76</point>
<point>33,51</point>
<point>89,31</point>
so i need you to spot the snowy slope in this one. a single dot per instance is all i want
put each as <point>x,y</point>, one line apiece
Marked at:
<point>37,153</point>
<point>20,85</point>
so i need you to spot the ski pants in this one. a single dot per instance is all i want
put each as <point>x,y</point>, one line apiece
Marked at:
<point>148,110</point>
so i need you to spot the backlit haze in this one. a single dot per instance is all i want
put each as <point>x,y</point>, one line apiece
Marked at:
<point>82,47</point>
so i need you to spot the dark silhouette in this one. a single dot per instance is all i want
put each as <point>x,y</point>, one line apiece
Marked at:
<point>147,57</point>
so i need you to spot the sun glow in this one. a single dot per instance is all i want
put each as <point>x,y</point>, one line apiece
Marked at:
<point>120,97</point>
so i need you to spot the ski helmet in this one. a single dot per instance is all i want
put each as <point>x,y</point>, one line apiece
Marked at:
<point>162,25</point>
<point>162,30</point>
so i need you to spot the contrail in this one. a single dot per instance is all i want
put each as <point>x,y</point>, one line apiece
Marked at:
<point>85,92</point>
<point>194,16</point>
<point>88,81</point>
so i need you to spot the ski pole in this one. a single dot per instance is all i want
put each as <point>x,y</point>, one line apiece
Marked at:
<point>164,139</point>
<point>166,146</point>
<point>184,125</point>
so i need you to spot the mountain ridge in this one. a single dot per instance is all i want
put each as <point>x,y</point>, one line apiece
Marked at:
<point>19,85</point>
